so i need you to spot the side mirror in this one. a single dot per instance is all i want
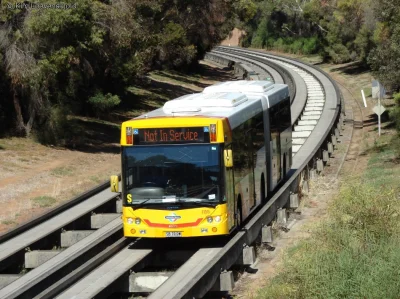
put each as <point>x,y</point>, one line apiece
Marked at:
<point>114,183</point>
<point>228,158</point>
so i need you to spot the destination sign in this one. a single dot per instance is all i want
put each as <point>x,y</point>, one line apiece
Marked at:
<point>171,135</point>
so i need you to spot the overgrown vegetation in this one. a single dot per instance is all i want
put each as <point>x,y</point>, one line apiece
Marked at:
<point>355,252</point>
<point>81,59</point>
<point>395,112</point>
<point>339,30</point>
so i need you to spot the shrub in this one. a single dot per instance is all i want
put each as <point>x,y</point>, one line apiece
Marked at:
<point>338,53</point>
<point>310,45</point>
<point>297,46</point>
<point>395,112</point>
<point>58,129</point>
<point>102,103</point>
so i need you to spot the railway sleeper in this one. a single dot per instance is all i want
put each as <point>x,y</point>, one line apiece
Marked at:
<point>6,279</point>
<point>99,220</point>
<point>69,238</point>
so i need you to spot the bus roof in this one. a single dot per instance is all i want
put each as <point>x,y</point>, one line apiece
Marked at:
<point>235,100</point>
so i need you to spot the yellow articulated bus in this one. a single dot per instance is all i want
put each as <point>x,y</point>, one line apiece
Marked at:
<point>201,164</point>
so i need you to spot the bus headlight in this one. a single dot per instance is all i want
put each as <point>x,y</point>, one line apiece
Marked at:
<point>129,220</point>
<point>217,218</point>
<point>138,221</point>
<point>209,219</point>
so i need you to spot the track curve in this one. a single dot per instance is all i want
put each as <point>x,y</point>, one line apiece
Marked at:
<point>317,109</point>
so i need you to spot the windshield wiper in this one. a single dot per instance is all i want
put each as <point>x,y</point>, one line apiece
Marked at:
<point>141,204</point>
<point>201,203</point>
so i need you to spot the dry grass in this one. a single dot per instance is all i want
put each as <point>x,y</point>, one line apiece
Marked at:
<point>355,252</point>
<point>44,201</point>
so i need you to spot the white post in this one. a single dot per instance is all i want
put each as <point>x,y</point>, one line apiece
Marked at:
<point>363,96</point>
<point>379,115</point>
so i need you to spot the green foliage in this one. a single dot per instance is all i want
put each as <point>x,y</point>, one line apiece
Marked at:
<point>260,36</point>
<point>44,201</point>
<point>101,103</point>
<point>338,53</point>
<point>352,255</point>
<point>62,57</point>
<point>340,31</point>
<point>246,9</point>
<point>395,113</point>
<point>59,130</point>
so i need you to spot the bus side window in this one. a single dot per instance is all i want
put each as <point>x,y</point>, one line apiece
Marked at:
<point>239,148</point>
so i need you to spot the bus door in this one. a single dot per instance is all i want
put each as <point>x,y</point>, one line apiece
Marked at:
<point>275,146</point>
<point>229,197</point>
<point>251,158</point>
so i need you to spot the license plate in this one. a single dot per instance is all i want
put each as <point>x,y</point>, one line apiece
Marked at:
<point>173,234</point>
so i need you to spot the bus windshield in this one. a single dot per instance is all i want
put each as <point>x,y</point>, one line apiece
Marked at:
<point>172,174</point>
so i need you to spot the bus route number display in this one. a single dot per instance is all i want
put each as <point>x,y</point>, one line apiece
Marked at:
<point>171,135</point>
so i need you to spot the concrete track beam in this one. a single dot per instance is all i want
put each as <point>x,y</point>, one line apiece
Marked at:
<point>71,237</point>
<point>325,156</point>
<point>224,283</point>
<point>147,282</point>
<point>247,258</point>
<point>99,220</point>
<point>281,217</point>
<point>6,279</point>
<point>35,258</point>
<point>266,234</point>
<point>294,201</point>
<point>330,148</point>
<point>320,165</point>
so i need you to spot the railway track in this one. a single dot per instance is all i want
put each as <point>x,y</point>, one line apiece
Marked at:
<point>77,251</point>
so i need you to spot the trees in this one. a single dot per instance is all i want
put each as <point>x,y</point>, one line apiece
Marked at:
<point>384,59</point>
<point>94,49</point>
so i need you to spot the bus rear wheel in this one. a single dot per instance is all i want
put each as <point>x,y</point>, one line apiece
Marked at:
<point>262,191</point>
<point>284,166</point>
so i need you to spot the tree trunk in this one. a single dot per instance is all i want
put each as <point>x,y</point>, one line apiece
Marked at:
<point>19,125</point>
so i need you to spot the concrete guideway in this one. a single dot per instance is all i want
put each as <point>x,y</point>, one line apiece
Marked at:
<point>315,99</point>
<point>23,240</point>
<point>201,271</point>
<point>68,256</point>
<point>275,75</point>
<point>299,102</point>
<point>182,280</point>
<point>201,275</point>
<point>110,271</point>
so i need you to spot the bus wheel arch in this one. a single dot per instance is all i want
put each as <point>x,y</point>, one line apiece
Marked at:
<point>262,190</point>
<point>239,216</point>
<point>284,165</point>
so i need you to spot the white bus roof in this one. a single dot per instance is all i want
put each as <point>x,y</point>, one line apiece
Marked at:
<point>234,100</point>
<point>258,87</point>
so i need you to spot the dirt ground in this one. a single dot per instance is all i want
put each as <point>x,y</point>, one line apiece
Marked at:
<point>35,178</point>
<point>234,38</point>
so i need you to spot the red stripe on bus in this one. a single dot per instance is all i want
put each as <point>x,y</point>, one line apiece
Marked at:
<point>149,223</point>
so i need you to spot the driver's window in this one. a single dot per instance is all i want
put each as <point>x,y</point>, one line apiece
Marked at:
<point>129,178</point>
